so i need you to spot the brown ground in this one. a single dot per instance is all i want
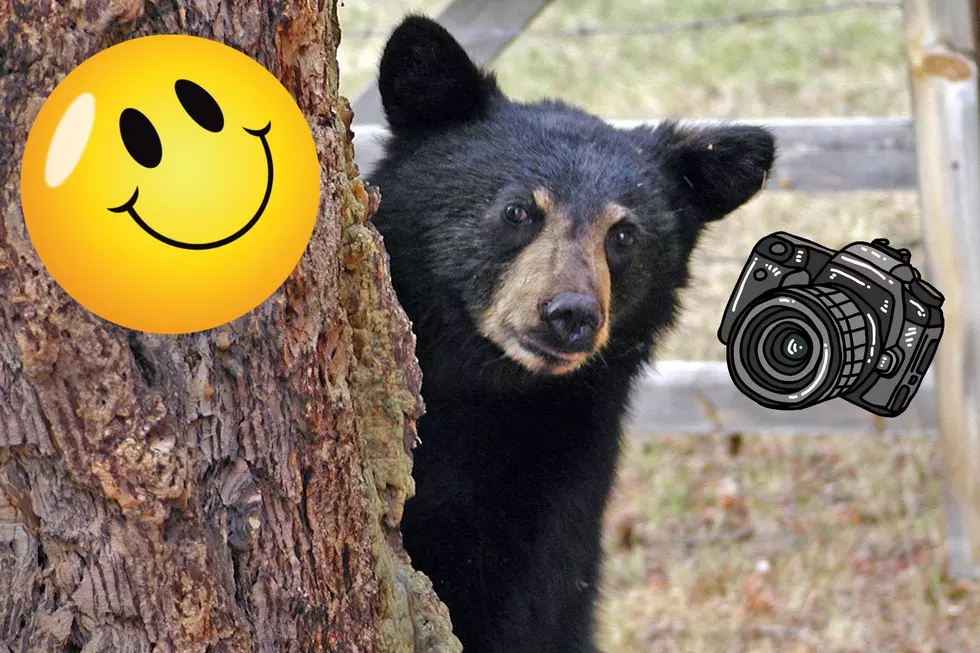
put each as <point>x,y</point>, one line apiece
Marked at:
<point>770,543</point>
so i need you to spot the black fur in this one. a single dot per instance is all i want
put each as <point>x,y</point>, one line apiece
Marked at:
<point>514,467</point>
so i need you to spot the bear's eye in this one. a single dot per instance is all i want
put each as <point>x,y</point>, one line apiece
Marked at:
<point>624,237</point>
<point>619,245</point>
<point>516,214</point>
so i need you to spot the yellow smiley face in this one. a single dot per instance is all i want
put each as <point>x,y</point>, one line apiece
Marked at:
<point>170,184</point>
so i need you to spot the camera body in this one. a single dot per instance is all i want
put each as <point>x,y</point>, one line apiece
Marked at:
<point>805,324</point>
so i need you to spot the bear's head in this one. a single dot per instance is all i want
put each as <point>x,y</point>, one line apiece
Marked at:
<point>538,236</point>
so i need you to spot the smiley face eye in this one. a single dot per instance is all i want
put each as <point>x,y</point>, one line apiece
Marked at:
<point>199,105</point>
<point>140,138</point>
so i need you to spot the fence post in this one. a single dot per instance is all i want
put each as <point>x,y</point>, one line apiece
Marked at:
<point>942,49</point>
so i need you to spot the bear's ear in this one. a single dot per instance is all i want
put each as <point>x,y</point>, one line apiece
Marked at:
<point>427,80</point>
<point>714,169</point>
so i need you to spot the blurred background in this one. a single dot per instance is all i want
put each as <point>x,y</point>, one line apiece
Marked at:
<point>746,542</point>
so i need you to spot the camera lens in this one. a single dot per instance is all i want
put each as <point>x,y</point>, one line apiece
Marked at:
<point>798,346</point>
<point>783,348</point>
<point>786,345</point>
<point>795,346</point>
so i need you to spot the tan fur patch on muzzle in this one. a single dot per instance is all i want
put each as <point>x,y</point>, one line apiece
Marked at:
<point>557,260</point>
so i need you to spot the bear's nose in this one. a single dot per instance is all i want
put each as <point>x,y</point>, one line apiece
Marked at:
<point>573,319</point>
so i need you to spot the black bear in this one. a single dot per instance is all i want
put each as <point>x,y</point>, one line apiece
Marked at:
<point>538,252</point>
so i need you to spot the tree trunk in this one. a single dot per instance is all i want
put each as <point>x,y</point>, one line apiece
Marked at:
<point>234,490</point>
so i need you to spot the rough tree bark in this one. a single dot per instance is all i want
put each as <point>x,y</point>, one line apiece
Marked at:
<point>235,490</point>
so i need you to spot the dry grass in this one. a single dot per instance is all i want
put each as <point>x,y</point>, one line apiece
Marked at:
<point>817,544</point>
<point>791,544</point>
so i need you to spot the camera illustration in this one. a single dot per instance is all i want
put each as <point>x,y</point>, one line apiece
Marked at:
<point>806,324</point>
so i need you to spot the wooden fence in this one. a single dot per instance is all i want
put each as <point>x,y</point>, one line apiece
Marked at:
<point>936,152</point>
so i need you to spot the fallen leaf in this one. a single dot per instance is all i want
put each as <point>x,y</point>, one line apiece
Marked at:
<point>729,495</point>
<point>622,528</point>
<point>863,564</point>
<point>789,519</point>
<point>656,578</point>
<point>847,515</point>
<point>758,594</point>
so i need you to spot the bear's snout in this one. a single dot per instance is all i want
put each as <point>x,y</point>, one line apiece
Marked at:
<point>572,320</point>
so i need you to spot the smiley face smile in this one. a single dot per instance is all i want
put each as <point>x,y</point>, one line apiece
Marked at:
<point>130,206</point>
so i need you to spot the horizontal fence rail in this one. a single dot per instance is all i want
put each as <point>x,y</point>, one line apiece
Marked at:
<point>755,18</point>
<point>699,397</point>
<point>814,154</point>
